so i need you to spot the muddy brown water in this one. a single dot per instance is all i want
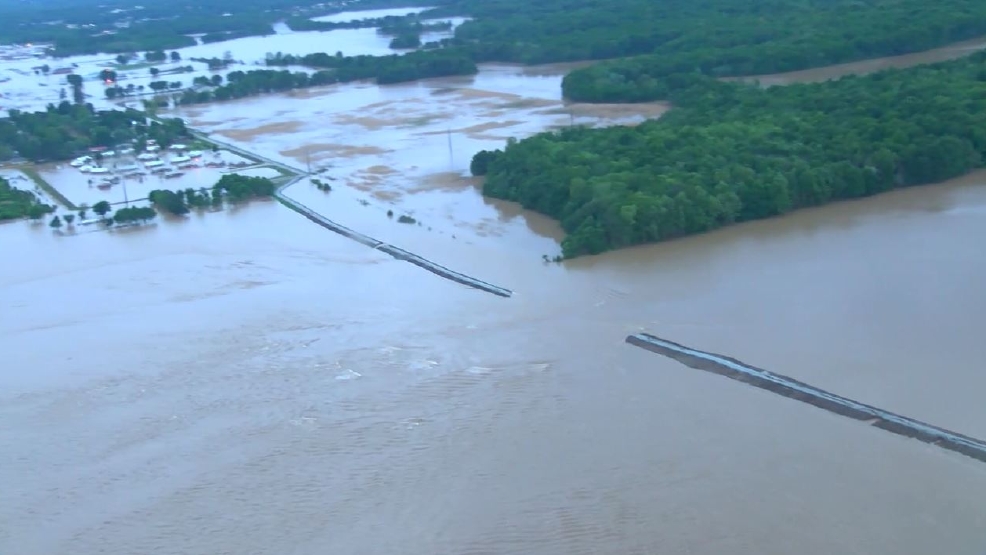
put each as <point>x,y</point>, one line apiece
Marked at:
<point>247,382</point>
<point>864,67</point>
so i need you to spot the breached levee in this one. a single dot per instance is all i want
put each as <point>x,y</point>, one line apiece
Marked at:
<point>396,252</point>
<point>793,389</point>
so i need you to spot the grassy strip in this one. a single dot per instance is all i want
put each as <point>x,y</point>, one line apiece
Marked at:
<point>33,174</point>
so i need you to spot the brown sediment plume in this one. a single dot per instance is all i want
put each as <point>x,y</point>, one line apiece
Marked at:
<point>320,151</point>
<point>475,130</point>
<point>380,170</point>
<point>275,128</point>
<point>480,93</point>
<point>444,181</point>
<point>644,109</point>
<point>800,391</point>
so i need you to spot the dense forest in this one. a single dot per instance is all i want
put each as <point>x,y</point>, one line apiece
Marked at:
<point>64,131</point>
<point>731,152</point>
<point>741,41</point>
<point>654,48</point>
<point>15,203</point>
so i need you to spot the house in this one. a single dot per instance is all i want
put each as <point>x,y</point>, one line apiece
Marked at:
<point>62,71</point>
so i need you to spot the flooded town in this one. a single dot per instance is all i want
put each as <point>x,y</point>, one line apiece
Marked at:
<point>241,380</point>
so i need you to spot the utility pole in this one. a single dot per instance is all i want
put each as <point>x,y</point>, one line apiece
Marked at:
<point>126,201</point>
<point>449,132</point>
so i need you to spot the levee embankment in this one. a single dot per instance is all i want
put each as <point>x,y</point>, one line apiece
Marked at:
<point>396,252</point>
<point>793,389</point>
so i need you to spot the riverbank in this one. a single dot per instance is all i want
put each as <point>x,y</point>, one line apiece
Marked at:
<point>723,131</point>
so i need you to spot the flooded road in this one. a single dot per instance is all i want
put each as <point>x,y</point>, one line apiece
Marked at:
<point>247,382</point>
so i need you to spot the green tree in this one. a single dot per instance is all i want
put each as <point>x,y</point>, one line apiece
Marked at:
<point>69,218</point>
<point>55,223</point>
<point>101,208</point>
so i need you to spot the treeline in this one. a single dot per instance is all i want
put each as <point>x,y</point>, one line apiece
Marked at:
<point>64,131</point>
<point>657,47</point>
<point>230,187</point>
<point>15,203</point>
<point>384,69</point>
<point>743,44</point>
<point>730,152</point>
<point>337,69</point>
<point>388,25</point>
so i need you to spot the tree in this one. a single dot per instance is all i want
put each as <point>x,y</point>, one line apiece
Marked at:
<point>82,213</point>
<point>101,208</point>
<point>55,223</point>
<point>37,211</point>
<point>175,56</point>
<point>45,69</point>
<point>107,76</point>
<point>154,71</point>
<point>69,218</point>
<point>75,81</point>
<point>122,59</point>
<point>216,80</point>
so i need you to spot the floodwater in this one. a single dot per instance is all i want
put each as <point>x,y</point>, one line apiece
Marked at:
<point>864,67</point>
<point>407,147</point>
<point>247,382</point>
<point>84,188</point>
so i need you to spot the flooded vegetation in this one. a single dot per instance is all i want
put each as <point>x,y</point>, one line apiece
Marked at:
<point>306,393</point>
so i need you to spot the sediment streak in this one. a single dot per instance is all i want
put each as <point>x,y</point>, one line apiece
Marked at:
<point>793,389</point>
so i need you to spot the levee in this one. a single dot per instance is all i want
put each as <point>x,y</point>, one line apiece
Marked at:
<point>396,252</point>
<point>799,391</point>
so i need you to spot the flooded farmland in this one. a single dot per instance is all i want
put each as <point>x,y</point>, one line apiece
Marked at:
<point>247,382</point>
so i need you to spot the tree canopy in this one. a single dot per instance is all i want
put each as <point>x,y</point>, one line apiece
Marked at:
<point>64,131</point>
<point>15,203</point>
<point>731,152</point>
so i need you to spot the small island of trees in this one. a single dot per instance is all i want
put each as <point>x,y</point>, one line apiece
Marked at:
<point>230,187</point>
<point>15,203</point>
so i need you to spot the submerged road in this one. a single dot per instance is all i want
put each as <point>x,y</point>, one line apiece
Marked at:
<point>793,389</point>
<point>396,252</point>
<point>325,222</point>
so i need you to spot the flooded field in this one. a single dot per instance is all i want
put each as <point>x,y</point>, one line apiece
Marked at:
<point>128,178</point>
<point>247,382</point>
<point>407,148</point>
